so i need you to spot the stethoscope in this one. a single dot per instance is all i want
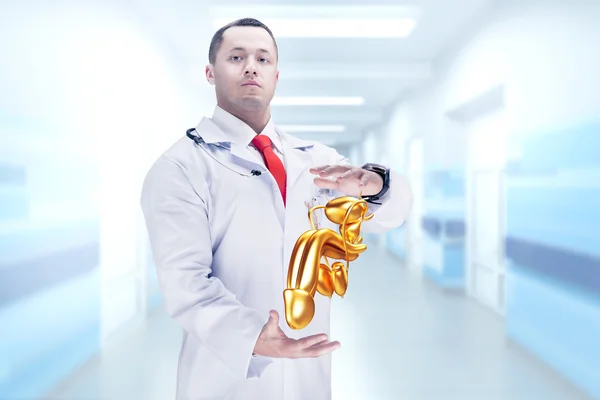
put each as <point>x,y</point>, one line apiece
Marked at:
<point>201,143</point>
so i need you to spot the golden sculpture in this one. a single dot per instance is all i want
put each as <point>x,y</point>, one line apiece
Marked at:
<point>307,275</point>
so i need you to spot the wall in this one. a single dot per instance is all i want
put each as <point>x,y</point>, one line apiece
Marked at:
<point>544,57</point>
<point>89,94</point>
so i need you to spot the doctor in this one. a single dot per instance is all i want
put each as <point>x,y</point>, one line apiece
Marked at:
<point>224,206</point>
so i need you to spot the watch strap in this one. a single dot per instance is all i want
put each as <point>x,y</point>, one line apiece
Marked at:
<point>382,171</point>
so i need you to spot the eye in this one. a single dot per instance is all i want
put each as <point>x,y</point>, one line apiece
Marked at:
<point>235,58</point>
<point>263,60</point>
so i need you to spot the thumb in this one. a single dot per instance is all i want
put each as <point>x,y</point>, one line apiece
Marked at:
<point>273,318</point>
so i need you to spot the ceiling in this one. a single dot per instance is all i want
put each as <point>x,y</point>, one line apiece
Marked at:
<point>381,70</point>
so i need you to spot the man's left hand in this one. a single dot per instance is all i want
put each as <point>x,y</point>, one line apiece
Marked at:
<point>350,180</point>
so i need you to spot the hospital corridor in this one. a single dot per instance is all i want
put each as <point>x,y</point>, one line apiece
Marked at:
<point>454,349</point>
<point>489,289</point>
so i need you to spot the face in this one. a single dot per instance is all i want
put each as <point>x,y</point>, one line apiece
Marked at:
<point>245,71</point>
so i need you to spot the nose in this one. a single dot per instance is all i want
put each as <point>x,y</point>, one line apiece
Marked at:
<point>251,68</point>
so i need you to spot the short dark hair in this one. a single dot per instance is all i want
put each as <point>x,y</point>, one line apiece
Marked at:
<point>217,40</point>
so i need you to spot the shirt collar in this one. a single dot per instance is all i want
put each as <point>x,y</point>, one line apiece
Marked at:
<point>237,131</point>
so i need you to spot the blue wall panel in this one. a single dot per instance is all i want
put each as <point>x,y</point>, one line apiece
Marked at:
<point>572,268</point>
<point>49,261</point>
<point>575,146</point>
<point>49,304</point>
<point>46,336</point>
<point>12,175</point>
<point>553,251</point>
<point>558,324</point>
<point>14,196</point>
<point>448,236</point>
<point>557,216</point>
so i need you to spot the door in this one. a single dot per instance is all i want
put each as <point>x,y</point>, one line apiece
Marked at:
<point>486,209</point>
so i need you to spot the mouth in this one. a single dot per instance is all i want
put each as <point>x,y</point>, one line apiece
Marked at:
<point>251,83</point>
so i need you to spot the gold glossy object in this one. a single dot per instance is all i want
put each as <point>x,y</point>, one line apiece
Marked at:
<point>307,274</point>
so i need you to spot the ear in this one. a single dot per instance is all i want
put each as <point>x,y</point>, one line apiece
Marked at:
<point>277,76</point>
<point>210,75</point>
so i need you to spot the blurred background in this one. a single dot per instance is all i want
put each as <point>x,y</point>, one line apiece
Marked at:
<point>490,290</point>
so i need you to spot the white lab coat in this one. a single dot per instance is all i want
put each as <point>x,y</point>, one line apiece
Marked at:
<point>221,240</point>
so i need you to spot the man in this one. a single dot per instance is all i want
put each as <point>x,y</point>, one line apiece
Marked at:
<point>224,207</point>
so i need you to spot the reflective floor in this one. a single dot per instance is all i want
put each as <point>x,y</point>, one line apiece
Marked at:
<point>401,337</point>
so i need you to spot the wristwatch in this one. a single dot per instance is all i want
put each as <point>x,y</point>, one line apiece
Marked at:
<point>385,175</point>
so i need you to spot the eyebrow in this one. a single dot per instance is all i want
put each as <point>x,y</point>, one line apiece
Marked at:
<point>243,49</point>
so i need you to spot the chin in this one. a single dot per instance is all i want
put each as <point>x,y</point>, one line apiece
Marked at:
<point>252,103</point>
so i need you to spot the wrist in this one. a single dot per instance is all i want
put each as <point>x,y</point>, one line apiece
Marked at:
<point>376,190</point>
<point>259,347</point>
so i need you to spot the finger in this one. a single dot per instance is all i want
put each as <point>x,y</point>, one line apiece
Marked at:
<point>311,340</point>
<point>273,317</point>
<point>321,349</point>
<point>316,170</point>
<point>349,174</point>
<point>325,183</point>
<point>324,344</point>
<point>319,344</point>
<point>364,180</point>
<point>333,170</point>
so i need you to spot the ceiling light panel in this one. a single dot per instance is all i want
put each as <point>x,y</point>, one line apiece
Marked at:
<point>326,21</point>
<point>335,28</point>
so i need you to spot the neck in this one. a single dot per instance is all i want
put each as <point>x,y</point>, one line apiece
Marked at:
<point>255,119</point>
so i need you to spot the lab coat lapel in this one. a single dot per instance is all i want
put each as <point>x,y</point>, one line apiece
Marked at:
<point>296,159</point>
<point>238,154</point>
<point>294,163</point>
<point>245,156</point>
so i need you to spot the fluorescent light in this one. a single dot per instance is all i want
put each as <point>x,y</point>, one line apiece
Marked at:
<point>334,27</point>
<point>313,128</point>
<point>317,101</point>
<point>270,11</point>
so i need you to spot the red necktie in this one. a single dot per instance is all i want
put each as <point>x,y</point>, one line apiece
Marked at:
<point>274,164</point>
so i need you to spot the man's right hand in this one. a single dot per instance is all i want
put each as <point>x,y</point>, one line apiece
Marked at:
<point>273,342</point>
